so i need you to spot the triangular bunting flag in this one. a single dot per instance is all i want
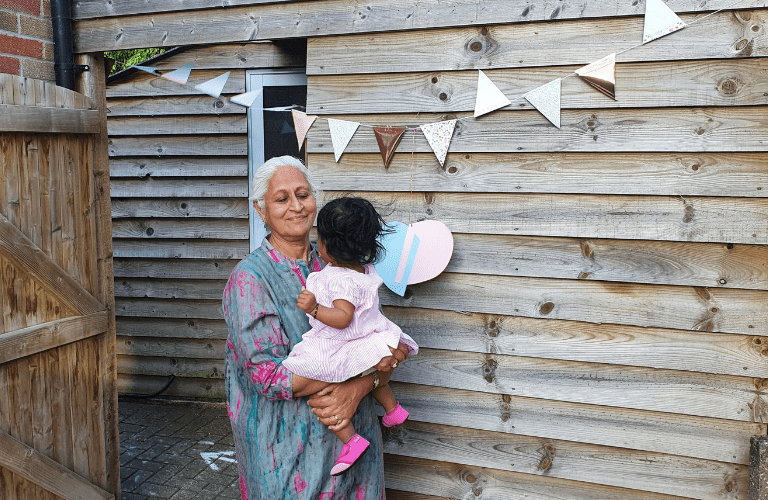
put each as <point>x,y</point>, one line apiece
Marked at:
<point>246,99</point>
<point>302,122</point>
<point>148,69</point>
<point>439,137</point>
<point>601,75</point>
<point>214,87</point>
<point>660,20</point>
<point>341,133</point>
<point>547,100</point>
<point>489,97</point>
<point>388,139</point>
<point>180,75</point>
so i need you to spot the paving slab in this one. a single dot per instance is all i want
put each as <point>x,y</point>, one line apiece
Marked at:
<point>176,450</point>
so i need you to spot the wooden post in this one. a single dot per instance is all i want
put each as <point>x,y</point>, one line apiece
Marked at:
<point>758,468</point>
<point>92,84</point>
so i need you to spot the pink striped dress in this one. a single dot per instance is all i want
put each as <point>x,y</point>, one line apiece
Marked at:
<point>332,355</point>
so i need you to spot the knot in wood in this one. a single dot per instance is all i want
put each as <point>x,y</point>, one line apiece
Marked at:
<point>546,308</point>
<point>729,86</point>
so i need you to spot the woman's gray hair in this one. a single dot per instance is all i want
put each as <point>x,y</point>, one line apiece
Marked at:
<point>264,173</point>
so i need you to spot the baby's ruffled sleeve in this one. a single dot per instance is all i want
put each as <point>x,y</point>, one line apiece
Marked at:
<point>343,287</point>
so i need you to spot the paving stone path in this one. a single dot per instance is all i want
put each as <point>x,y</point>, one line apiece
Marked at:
<point>176,451</point>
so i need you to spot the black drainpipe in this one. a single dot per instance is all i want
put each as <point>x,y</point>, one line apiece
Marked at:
<point>63,45</point>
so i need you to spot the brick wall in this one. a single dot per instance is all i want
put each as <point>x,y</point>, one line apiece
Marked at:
<point>26,43</point>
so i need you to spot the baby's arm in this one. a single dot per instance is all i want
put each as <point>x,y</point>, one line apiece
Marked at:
<point>339,316</point>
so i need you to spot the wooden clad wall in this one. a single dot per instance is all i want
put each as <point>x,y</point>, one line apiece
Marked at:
<point>600,331</point>
<point>179,179</point>
<point>55,418</point>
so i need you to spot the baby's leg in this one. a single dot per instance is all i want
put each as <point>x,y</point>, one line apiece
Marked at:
<point>396,414</point>
<point>346,433</point>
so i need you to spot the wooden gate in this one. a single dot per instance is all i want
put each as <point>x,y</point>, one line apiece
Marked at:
<point>57,378</point>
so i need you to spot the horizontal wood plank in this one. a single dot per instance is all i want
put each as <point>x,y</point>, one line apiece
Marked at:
<point>333,17</point>
<point>158,308</point>
<point>617,386</point>
<point>703,352</point>
<point>181,249</point>
<point>582,131</point>
<point>170,347</point>
<point>685,83</point>
<point>220,229</point>
<point>182,125</point>
<point>420,479</point>
<point>559,42</point>
<point>229,145</point>
<point>172,328</point>
<point>202,269</point>
<point>180,167</point>
<point>208,388</point>
<point>34,339</point>
<point>146,84</point>
<point>193,187</point>
<point>661,306</point>
<point>694,219</point>
<point>86,9</point>
<point>705,438</point>
<point>225,208</point>
<point>48,120</point>
<point>692,174</point>
<point>45,472</point>
<point>181,367</point>
<point>171,105</point>
<point>658,473</point>
<point>196,289</point>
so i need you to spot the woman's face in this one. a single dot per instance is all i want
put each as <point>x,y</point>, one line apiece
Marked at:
<point>289,207</point>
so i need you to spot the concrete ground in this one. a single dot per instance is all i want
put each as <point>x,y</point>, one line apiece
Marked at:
<point>177,451</point>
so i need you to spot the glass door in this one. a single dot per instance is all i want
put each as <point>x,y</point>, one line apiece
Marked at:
<point>270,125</point>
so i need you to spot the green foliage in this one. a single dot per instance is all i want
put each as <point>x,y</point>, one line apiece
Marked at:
<point>127,58</point>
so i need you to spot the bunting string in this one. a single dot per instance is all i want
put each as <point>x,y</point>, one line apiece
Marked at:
<point>660,21</point>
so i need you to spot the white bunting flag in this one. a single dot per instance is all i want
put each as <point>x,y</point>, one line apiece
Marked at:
<point>302,122</point>
<point>180,75</point>
<point>601,74</point>
<point>660,20</point>
<point>246,99</point>
<point>489,97</point>
<point>341,133</point>
<point>439,137</point>
<point>148,69</point>
<point>214,87</point>
<point>546,99</point>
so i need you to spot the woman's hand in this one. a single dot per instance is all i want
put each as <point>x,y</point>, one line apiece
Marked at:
<point>388,363</point>
<point>306,301</point>
<point>339,400</point>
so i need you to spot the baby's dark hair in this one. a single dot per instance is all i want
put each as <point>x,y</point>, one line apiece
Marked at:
<point>350,227</point>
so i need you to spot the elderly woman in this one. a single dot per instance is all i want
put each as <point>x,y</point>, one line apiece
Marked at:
<point>279,419</point>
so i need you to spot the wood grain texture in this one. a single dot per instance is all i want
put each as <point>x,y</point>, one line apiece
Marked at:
<point>145,84</point>
<point>23,91</point>
<point>181,387</point>
<point>332,17</point>
<point>692,174</point>
<point>705,438</point>
<point>617,386</point>
<point>47,120</point>
<point>661,306</point>
<point>685,83</point>
<point>202,124</point>
<point>172,328</point>
<point>725,35</point>
<point>726,354</point>
<point>231,145</point>
<point>180,188</point>
<point>694,219</point>
<point>419,479</point>
<point>170,347</point>
<point>203,269</point>
<point>181,249</point>
<point>701,130</point>
<point>158,208</point>
<point>172,105</point>
<point>85,9</point>
<point>181,367</point>
<point>157,308</point>
<point>170,288</point>
<point>179,167</point>
<point>221,229</point>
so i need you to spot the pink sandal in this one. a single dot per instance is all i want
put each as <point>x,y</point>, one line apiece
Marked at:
<point>395,417</point>
<point>350,452</point>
